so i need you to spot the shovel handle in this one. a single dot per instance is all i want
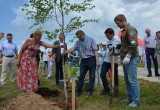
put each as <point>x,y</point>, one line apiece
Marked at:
<point>112,66</point>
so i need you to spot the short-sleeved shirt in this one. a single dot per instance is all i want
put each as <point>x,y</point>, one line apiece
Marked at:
<point>8,48</point>
<point>86,48</point>
<point>114,41</point>
<point>129,42</point>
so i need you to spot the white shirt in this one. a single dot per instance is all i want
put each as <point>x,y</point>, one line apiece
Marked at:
<point>149,42</point>
<point>46,55</point>
<point>62,49</point>
<point>114,41</point>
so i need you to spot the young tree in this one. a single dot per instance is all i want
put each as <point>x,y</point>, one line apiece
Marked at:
<point>61,12</point>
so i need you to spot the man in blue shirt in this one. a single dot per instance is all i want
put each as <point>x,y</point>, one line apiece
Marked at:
<point>9,50</point>
<point>88,51</point>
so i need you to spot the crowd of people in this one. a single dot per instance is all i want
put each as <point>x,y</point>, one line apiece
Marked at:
<point>87,55</point>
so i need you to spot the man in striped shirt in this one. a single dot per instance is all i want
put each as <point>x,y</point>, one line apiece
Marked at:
<point>88,51</point>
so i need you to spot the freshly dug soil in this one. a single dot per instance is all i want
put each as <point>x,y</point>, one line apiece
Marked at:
<point>29,101</point>
<point>43,99</point>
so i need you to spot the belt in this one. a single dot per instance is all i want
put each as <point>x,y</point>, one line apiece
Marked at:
<point>10,56</point>
<point>151,48</point>
<point>88,58</point>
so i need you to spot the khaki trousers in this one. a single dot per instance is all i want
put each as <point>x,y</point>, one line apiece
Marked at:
<point>8,62</point>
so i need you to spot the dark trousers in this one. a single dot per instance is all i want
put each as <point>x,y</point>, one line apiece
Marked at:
<point>105,67</point>
<point>85,65</point>
<point>59,71</point>
<point>150,52</point>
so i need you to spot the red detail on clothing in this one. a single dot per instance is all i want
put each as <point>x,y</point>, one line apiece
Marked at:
<point>28,70</point>
<point>140,42</point>
<point>133,38</point>
<point>110,74</point>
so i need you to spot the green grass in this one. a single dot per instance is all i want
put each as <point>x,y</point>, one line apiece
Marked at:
<point>150,98</point>
<point>150,95</point>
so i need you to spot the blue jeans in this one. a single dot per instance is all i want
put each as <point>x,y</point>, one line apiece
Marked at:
<point>87,64</point>
<point>131,80</point>
<point>44,65</point>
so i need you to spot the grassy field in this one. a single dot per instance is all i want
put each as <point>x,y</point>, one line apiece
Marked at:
<point>150,95</point>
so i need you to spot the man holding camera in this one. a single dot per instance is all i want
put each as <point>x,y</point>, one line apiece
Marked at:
<point>111,44</point>
<point>130,56</point>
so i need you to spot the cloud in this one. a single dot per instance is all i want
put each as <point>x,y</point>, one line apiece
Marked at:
<point>21,21</point>
<point>139,13</point>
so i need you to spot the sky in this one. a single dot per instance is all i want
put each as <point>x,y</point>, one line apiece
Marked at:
<point>141,14</point>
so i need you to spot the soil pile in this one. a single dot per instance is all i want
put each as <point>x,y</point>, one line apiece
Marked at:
<point>29,101</point>
<point>43,99</point>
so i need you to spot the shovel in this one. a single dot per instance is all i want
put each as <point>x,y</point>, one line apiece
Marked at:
<point>112,90</point>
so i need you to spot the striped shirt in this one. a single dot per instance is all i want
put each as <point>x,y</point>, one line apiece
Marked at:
<point>86,48</point>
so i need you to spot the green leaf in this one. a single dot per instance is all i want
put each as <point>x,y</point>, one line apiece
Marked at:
<point>59,13</point>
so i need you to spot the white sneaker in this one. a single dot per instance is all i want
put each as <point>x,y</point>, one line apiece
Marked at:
<point>133,105</point>
<point>48,77</point>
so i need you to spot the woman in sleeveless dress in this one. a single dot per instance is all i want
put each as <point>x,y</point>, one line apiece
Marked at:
<point>27,64</point>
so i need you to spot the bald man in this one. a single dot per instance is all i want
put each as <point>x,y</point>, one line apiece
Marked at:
<point>149,44</point>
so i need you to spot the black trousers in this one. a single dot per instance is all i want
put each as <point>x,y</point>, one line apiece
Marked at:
<point>87,64</point>
<point>59,71</point>
<point>150,53</point>
<point>105,67</point>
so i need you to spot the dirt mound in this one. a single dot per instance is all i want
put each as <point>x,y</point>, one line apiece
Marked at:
<point>43,99</point>
<point>29,101</point>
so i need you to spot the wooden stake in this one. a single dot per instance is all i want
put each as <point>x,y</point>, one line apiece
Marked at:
<point>73,93</point>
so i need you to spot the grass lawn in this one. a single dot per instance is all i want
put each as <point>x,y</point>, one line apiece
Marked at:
<point>150,95</point>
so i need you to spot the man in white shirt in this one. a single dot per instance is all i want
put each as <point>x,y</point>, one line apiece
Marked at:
<point>150,45</point>
<point>111,42</point>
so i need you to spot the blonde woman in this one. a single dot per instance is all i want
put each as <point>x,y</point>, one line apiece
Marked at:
<point>27,64</point>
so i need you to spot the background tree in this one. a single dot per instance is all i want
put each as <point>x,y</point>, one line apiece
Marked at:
<point>64,13</point>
